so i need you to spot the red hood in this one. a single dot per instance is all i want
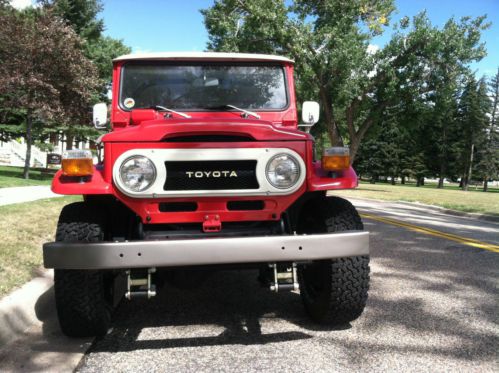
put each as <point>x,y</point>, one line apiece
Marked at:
<point>160,130</point>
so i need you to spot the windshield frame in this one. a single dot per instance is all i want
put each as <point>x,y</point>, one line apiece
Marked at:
<point>209,63</point>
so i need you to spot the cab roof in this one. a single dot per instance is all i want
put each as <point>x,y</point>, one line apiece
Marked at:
<point>204,56</point>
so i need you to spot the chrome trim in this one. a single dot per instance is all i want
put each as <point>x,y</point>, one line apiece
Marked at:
<point>177,253</point>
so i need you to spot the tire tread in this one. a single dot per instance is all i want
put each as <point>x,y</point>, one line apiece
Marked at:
<point>348,278</point>
<point>81,303</point>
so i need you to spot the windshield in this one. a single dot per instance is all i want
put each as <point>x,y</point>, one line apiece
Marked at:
<point>203,87</point>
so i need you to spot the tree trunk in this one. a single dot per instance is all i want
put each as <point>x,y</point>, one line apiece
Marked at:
<point>485,185</point>
<point>29,140</point>
<point>53,139</point>
<point>440,182</point>
<point>332,128</point>
<point>468,176</point>
<point>402,181</point>
<point>443,158</point>
<point>354,148</point>
<point>69,142</point>
<point>393,180</point>
<point>441,176</point>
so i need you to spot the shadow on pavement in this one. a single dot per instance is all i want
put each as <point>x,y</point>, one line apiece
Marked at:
<point>231,300</point>
<point>441,296</point>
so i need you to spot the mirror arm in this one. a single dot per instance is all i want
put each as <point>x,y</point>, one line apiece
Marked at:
<point>307,127</point>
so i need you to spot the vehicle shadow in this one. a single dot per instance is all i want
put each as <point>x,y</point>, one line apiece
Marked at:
<point>232,301</point>
<point>229,307</point>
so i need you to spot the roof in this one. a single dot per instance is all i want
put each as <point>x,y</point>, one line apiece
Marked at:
<point>214,56</point>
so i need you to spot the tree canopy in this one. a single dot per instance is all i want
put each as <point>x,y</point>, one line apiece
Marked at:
<point>335,62</point>
<point>413,82</point>
<point>43,72</point>
<point>54,64</point>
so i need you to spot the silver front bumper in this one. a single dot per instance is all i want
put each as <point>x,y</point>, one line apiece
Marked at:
<point>176,253</point>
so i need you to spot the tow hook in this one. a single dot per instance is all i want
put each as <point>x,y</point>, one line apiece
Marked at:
<point>212,223</point>
<point>139,284</point>
<point>285,277</point>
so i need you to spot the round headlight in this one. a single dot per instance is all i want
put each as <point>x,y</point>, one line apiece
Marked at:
<point>137,173</point>
<point>283,171</point>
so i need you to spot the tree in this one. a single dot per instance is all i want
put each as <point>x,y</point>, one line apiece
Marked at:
<point>384,151</point>
<point>330,42</point>
<point>488,157</point>
<point>473,109</point>
<point>43,72</point>
<point>82,16</point>
<point>102,52</point>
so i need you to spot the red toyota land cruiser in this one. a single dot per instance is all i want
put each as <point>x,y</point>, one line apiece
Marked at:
<point>205,165</point>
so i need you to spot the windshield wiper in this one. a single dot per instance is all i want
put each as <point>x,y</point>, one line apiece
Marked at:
<point>247,113</point>
<point>162,108</point>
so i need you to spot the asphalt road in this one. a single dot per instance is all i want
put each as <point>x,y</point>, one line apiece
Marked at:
<point>433,306</point>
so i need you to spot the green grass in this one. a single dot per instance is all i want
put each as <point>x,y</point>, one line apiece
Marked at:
<point>24,227</point>
<point>13,177</point>
<point>451,197</point>
<point>447,186</point>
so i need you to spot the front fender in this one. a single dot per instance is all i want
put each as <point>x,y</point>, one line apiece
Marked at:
<point>320,180</point>
<point>76,185</point>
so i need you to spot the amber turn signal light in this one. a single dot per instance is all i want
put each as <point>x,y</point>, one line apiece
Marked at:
<point>77,163</point>
<point>336,159</point>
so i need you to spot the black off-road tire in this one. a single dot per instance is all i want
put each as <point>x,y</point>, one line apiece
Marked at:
<point>333,291</point>
<point>83,297</point>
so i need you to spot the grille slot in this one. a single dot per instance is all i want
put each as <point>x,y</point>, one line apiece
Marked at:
<point>178,206</point>
<point>211,175</point>
<point>245,205</point>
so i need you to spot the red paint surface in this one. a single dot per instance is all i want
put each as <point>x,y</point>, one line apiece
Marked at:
<point>141,129</point>
<point>164,129</point>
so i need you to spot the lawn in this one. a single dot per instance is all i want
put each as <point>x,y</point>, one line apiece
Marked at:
<point>24,228</point>
<point>13,177</point>
<point>450,197</point>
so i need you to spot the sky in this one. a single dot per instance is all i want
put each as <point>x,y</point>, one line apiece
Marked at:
<point>173,25</point>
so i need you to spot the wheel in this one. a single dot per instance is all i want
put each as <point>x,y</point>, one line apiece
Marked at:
<point>333,291</point>
<point>82,297</point>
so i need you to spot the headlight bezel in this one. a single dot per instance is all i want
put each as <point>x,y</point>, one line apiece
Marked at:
<point>124,182</point>
<point>296,164</point>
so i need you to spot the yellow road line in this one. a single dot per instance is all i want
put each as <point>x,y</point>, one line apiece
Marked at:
<point>433,232</point>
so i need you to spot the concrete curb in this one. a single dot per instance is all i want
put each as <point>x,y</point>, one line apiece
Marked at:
<point>17,309</point>
<point>443,210</point>
<point>30,337</point>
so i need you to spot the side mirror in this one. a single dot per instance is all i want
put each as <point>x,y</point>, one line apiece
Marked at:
<point>100,115</point>
<point>310,112</point>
